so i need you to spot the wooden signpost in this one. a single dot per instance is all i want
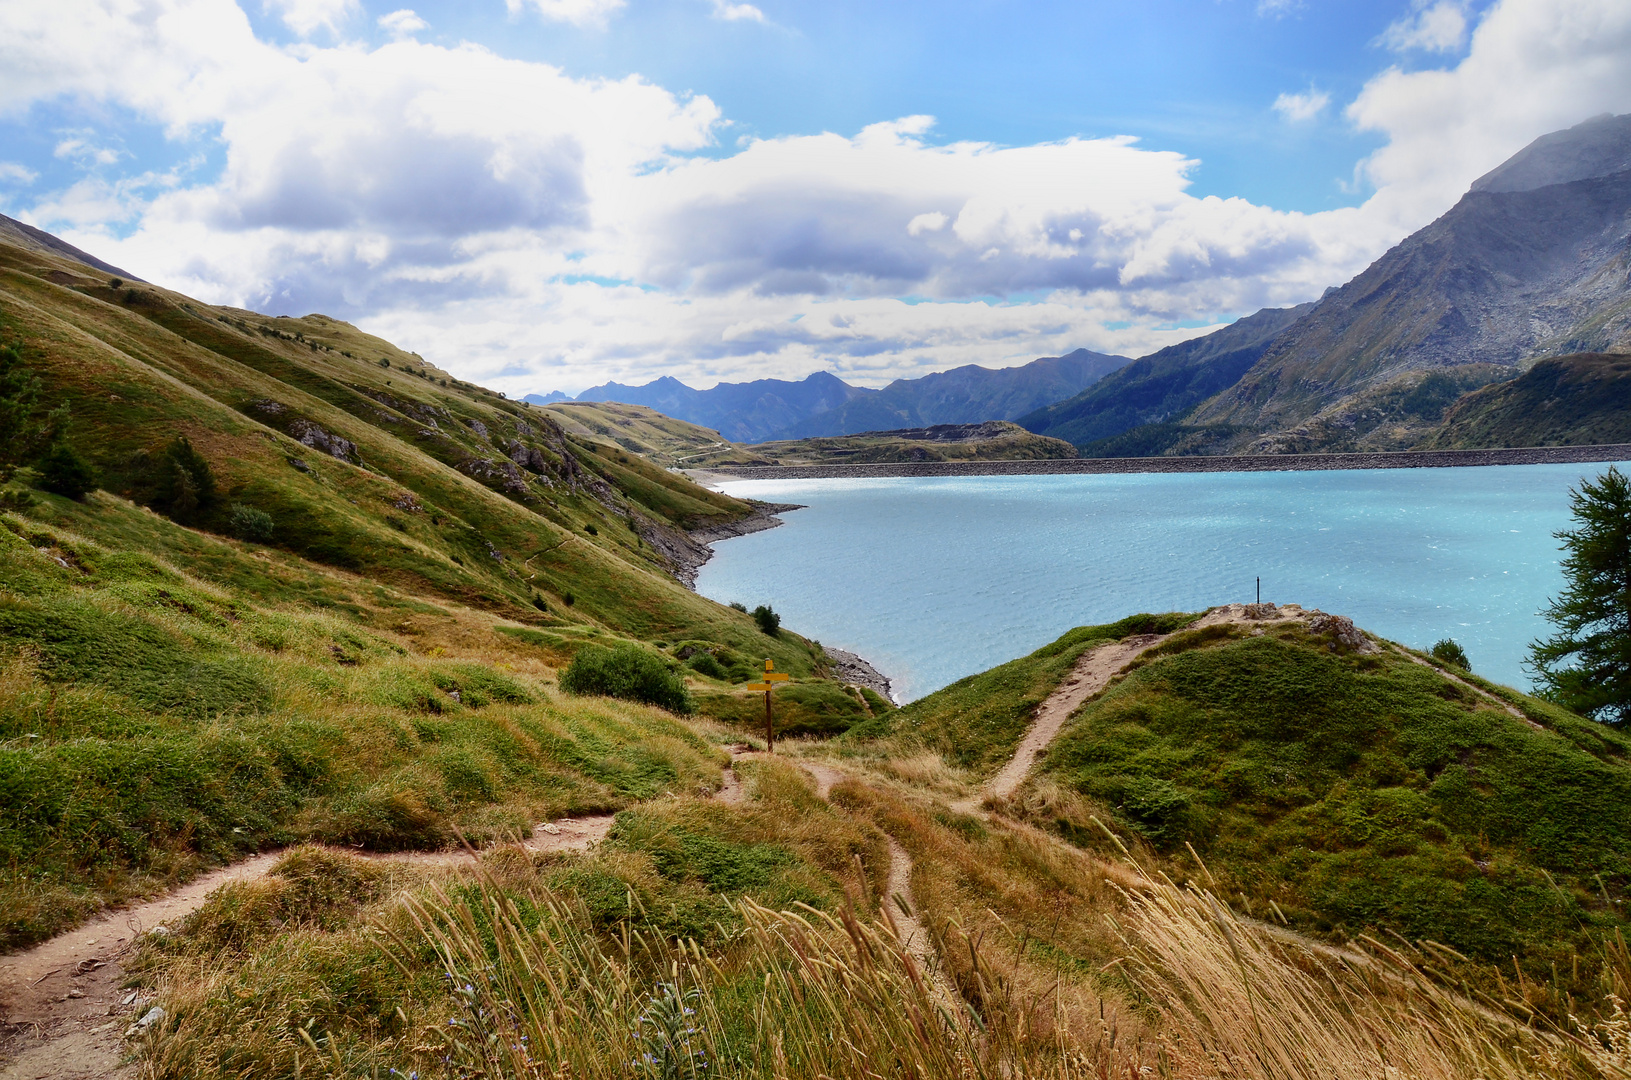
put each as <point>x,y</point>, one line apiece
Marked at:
<point>772,677</point>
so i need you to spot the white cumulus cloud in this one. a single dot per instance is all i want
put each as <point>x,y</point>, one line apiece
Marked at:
<point>724,9</point>
<point>1298,108</point>
<point>13,173</point>
<point>1532,66</point>
<point>587,13</point>
<point>403,23</point>
<point>306,17</point>
<point>534,230</point>
<point>1436,27</point>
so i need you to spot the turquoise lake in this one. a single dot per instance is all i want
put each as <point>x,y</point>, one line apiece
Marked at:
<point>932,579</point>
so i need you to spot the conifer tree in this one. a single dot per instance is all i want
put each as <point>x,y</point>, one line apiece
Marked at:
<point>1586,665</point>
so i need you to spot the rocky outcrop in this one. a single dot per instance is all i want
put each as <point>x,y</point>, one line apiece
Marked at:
<point>850,668</point>
<point>501,474</point>
<point>309,434</point>
<point>528,457</point>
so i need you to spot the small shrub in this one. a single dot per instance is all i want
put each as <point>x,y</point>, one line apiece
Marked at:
<point>706,663</point>
<point>247,523</point>
<point>1446,651</point>
<point>591,530</point>
<point>13,499</point>
<point>627,672</point>
<point>768,620</point>
<point>384,363</point>
<point>538,602</point>
<point>114,283</point>
<point>737,605</point>
<point>568,599</point>
<point>64,472</point>
<point>186,483</point>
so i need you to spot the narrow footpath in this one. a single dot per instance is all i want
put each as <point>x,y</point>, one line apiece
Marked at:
<point>63,1011</point>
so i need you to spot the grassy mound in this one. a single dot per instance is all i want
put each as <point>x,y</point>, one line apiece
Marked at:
<point>977,722</point>
<point>1361,792</point>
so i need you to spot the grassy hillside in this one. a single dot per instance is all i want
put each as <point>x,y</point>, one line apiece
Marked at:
<point>645,431</point>
<point>354,640</point>
<point>997,440</point>
<point>1355,792</point>
<point>1580,399</point>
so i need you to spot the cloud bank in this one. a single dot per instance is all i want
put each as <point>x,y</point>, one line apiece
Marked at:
<point>531,229</point>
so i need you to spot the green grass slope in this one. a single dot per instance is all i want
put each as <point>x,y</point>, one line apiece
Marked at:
<point>1567,400</point>
<point>977,722</point>
<point>1359,793</point>
<point>377,671</point>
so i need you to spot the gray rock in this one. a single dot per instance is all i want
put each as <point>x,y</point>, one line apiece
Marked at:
<point>309,434</point>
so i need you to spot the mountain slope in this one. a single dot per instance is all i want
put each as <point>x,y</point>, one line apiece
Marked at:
<point>1532,262</point>
<point>1164,385</point>
<point>354,640</point>
<point>1356,787</point>
<point>1582,399</point>
<point>824,404</point>
<point>965,395</point>
<point>741,412</point>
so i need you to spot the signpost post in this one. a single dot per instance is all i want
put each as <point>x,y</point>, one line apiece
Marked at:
<point>772,677</point>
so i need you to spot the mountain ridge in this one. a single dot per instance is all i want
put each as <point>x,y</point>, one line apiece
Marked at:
<point>823,405</point>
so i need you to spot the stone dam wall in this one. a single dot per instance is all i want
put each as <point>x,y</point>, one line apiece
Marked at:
<point>1409,459</point>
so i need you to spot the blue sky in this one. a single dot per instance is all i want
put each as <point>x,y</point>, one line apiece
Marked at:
<point>1200,77</point>
<point>543,193</point>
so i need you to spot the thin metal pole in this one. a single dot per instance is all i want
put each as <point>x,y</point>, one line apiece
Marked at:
<point>1259,590</point>
<point>770,730</point>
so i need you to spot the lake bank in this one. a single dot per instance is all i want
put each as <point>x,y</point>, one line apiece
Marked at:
<point>1405,459</point>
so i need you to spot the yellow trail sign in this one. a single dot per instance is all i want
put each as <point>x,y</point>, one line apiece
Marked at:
<point>771,678</point>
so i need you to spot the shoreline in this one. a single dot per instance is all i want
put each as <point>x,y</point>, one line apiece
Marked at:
<point>695,555</point>
<point>1400,459</point>
<point>850,668</point>
<point>847,666</point>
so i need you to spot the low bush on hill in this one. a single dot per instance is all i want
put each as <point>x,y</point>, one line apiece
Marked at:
<point>813,708</point>
<point>629,672</point>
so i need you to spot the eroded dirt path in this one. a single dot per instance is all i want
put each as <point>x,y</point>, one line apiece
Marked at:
<point>1093,671</point>
<point>63,1011</point>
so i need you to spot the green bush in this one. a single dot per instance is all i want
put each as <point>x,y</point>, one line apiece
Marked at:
<point>767,619</point>
<point>627,672</point>
<point>1446,651</point>
<point>64,472</point>
<point>705,663</point>
<point>186,483</point>
<point>247,523</point>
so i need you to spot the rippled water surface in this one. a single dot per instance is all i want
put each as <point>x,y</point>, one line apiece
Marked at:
<point>936,578</point>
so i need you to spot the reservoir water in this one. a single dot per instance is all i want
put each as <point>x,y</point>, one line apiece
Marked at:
<point>932,579</point>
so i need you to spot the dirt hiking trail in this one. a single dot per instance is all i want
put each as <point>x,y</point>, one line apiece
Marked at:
<point>63,1013</point>
<point>1092,673</point>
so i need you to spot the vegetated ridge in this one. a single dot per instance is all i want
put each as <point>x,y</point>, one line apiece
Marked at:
<point>994,440</point>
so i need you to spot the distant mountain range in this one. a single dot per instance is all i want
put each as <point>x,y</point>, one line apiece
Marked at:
<point>1531,263</point>
<point>825,405</point>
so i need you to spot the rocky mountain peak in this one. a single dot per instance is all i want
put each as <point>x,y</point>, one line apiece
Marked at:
<point>1598,147</point>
